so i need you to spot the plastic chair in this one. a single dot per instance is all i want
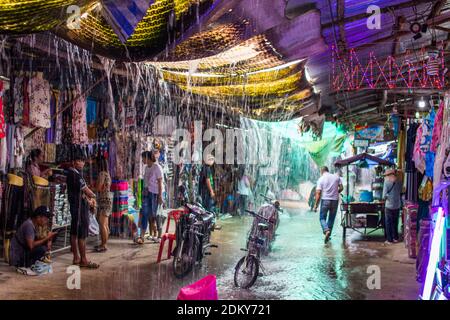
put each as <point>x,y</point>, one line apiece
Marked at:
<point>203,289</point>
<point>171,237</point>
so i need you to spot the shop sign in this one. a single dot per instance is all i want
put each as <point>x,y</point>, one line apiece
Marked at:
<point>373,133</point>
<point>361,143</point>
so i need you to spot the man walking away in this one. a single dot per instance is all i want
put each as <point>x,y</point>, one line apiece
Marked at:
<point>392,190</point>
<point>327,192</point>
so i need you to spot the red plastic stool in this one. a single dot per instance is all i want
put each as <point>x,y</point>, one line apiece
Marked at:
<point>203,289</point>
<point>171,237</point>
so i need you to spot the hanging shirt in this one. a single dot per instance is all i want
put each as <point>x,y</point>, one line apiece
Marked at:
<point>79,125</point>
<point>91,114</point>
<point>26,101</point>
<point>18,99</point>
<point>39,92</point>
<point>2,116</point>
<point>19,150</point>
<point>437,129</point>
<point>419,155</point>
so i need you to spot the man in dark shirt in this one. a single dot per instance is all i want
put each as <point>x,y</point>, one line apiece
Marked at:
<point>206,184</point>
<point>25,248</point>
<point>80,198</point>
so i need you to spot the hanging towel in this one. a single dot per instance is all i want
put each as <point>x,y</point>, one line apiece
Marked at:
<point>91,112</point>
<point>124,15</point>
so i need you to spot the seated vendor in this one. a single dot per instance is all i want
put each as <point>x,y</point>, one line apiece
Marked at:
<point>34,160</point>
<point>25,249</point>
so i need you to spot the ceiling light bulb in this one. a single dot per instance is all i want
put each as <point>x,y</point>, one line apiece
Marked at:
<point>422,104</point>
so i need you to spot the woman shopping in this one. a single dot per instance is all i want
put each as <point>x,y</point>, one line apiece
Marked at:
<point>105,200</point>
<point>34,162</point>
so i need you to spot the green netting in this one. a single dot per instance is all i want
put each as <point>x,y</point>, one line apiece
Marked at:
<point>294,158</point>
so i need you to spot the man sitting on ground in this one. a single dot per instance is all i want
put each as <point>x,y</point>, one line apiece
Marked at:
<point>25,249</point>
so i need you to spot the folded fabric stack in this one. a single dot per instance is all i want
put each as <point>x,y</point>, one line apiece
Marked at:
<point>129,219</point>
<point>410,233</point>
<point>424,246</point>
<point>120,206</point>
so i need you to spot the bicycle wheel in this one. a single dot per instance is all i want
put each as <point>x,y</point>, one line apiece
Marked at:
<point>246,272</point>
<point>183,261</point>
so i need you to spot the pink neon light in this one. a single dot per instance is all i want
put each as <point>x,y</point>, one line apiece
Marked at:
<point>349,74</point>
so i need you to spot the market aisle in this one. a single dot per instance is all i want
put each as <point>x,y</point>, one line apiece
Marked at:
<point>300,267</point>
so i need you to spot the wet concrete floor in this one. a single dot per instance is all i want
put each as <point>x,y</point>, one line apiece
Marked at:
<point>299,267</point>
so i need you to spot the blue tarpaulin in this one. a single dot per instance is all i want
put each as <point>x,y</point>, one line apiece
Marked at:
<point>124,15</point>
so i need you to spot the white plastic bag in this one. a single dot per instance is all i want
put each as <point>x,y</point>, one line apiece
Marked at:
<point>161,216</point>
<point>94,228</point>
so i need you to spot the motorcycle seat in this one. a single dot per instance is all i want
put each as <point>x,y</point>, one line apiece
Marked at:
<point>263,226</point>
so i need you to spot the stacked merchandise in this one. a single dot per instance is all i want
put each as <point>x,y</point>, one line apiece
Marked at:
<point>132,216</point>
<point>410,233</point>
<point>60,206</point>
<point>120,205</point>
<point>424,246</point>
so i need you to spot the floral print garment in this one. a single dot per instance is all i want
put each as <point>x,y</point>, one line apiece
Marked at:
<point>79,123</point>
<point>40,102</point>
<point>18,100</point>
<point>2,116</point>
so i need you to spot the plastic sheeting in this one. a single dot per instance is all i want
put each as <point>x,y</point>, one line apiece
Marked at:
<point>286,159</point>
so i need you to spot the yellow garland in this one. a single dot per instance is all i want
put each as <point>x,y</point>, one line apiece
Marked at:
<point>276,88</point>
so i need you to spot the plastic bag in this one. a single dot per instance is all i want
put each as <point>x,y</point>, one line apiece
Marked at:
<point>94,228</point>
<point>161,216</point>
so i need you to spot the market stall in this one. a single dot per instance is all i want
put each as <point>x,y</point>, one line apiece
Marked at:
<point>361,215</point>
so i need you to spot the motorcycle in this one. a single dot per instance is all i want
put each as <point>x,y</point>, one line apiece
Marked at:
<point>193,239</point>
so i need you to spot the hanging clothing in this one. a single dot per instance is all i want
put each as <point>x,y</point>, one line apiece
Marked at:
<point>13,208</point>
<point>26,102</point>
<point>10,138</point>
<point>79,125</point>
<point>418,155</point>
<point>410,140</point>
<point>40,95</point>
<point>91,112</point>
<point>3,155</point>
<point>50,132</point>
<point>426,143</point>
<point>67,116</point>
<point>437,129</point>
<point>2,116</point>
<point>59,118</point>
<point>18,99</point>
<point>19,150</point>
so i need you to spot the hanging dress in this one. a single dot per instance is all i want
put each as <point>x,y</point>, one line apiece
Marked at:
<point>39,102</point>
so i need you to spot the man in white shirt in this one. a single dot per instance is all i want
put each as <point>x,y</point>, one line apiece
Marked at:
<point>327,192</point>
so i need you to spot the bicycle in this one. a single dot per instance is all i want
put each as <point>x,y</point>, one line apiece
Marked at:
<point>247,269</point>
<point>193,239</point>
